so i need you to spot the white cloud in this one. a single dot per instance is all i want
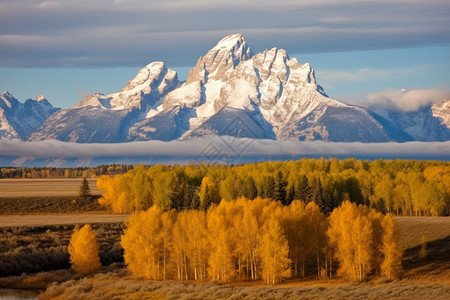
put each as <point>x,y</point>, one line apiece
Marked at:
<point>406,100</point>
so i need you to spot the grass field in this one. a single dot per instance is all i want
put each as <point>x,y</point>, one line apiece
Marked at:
<point>43,187</point>
<point>37,196</point>
<point>58,219</point>
<point>412,228</point>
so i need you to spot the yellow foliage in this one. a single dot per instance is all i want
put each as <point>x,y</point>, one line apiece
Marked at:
<point>273,250</point>
<point>83,249</point>
<point>392,264</point>
<point>352,232</point>
<point>143,243</point>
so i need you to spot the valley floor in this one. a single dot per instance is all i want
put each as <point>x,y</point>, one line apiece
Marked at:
<point>117,285</point>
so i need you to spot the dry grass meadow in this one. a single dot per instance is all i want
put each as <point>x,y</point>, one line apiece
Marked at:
<point>45,196</point>
<point>43,187</point>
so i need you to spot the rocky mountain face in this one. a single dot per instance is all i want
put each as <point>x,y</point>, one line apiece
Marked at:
<point>18,120</point>
<point>230,91</point>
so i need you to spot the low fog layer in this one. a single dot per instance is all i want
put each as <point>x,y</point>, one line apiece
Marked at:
<point>220,149</point>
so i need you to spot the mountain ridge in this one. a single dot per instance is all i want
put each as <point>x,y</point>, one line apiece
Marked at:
<point>274,96</point>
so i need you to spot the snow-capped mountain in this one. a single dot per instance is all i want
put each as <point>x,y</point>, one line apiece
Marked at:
<point>271,95</point>
<point>428,123</point>
<point>230,91</point>
<point>107,118</point>
<point>18,119</point>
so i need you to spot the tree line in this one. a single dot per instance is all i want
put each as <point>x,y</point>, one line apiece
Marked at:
<point>400,187</point>
<point>46,172</point>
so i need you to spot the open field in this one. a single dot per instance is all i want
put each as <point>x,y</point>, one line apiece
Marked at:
<point>38,196</point>
<point>43,187</point>
<point>411,229</point>
<point>58,219</point>
<point>112,286</point>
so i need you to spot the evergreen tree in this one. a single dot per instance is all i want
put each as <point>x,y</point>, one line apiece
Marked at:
<point>250,190</point>
<point>269,187</point>
<point>280,188</point>
<point>195,201</point>
<point>290,195</point>
<point>85,191</point>
<point>302,189</point>
<point>319,198</point>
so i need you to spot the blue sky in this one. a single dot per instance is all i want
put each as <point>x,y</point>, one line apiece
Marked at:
<point>68,49</point>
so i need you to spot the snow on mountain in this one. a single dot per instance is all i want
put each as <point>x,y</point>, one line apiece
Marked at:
<point>18,119</point>
<point>275,96</point>
<point>230,92</point>
<point>149,85</point>
<point>441,110</point>
<point>427,123</point>
<point>102,118</point>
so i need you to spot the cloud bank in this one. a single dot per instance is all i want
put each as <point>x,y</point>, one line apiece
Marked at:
<point>212,150</point>
<point>405,100</point>
<point>103,33</point>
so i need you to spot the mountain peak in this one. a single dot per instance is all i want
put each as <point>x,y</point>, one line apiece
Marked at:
<point>229,41</point>
<point>40,98</point>
<point>151,83</point>
<point>224,56</point>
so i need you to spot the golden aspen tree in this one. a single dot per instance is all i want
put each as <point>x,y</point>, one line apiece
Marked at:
<point>273,250</point>
<point>223,239</point>
<point>198,244</point>
<point>109,193</point>
<point>180,245</point>
<point>317,226</point>
<point>392,264</point>
<point>168,220</point>
<point>376,220</point>
<point>249,225</point>
<point>351,234</point>
<point>295,226</point>
<point>83,249</point>
<point>143,243</point>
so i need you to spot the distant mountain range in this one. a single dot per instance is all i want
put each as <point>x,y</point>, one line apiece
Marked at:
<point>230,91</point>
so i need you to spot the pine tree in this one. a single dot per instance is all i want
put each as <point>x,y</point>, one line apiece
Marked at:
<point>319,198</point>
<point>85,191</point>
<point>195,202</point>
<point>280,188</point>
<point>83,249</point>
<point>302,189</point>
<point>290,196</point>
